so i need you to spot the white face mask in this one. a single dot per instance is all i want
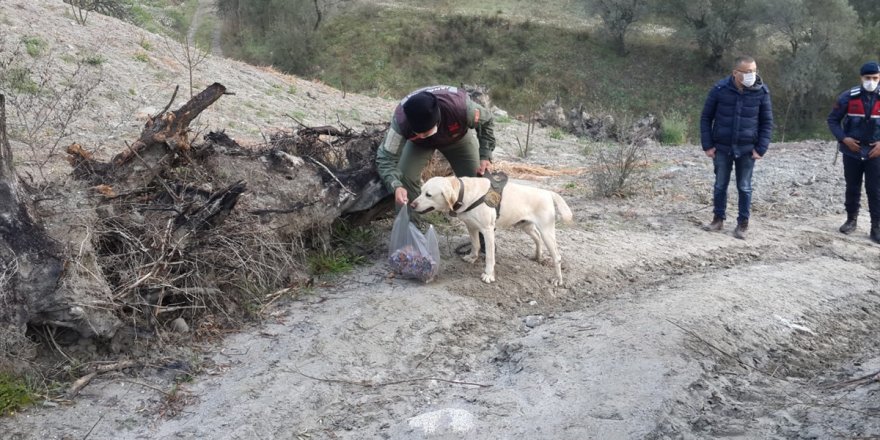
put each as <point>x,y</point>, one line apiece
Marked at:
<point>749,79</point>
<point>869,85</point>
<point>427,134</point>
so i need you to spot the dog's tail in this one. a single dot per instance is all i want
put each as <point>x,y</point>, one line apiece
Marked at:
<point>562,207</point>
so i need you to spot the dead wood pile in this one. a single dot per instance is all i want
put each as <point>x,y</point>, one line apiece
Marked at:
<point>176,227</point>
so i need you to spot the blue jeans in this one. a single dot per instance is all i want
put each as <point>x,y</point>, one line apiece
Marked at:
<point>744,165</point>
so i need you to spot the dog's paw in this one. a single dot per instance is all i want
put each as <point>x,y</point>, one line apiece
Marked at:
<point>470,258</point>
<point>487,278</point>
<point>559,283</point>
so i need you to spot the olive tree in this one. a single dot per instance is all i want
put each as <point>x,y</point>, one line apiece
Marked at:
<point>717,26</point>
<point>818,48</point>
<point>618,16</point>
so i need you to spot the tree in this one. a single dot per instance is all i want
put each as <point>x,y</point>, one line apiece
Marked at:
<point>279,32</point>
<point>717,25</point>
<point>618,16</point>
<point>819,36</point>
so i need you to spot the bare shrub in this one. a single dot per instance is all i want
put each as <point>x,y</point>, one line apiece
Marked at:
<point>190,57</point>
<point>621,167</point>
<point>46,97</point>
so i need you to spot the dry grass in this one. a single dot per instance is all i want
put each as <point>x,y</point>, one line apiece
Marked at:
<point>438,166</point>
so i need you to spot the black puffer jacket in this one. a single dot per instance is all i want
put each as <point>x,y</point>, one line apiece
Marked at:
<point>735,121</point>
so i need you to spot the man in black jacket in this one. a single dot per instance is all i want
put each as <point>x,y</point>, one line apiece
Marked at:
<point>855,123</point>
<point>735,130</point>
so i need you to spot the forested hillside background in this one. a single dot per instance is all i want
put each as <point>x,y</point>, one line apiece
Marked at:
<point>615,56</point>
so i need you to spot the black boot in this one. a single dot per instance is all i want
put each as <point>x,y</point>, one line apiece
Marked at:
<point>875,230</point>
<point>850,224</point>
<point>742,229</point>
<point>716,225</point>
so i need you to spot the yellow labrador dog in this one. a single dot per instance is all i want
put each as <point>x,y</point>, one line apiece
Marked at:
<point>533,210</point>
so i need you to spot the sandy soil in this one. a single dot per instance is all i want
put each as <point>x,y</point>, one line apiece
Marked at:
<point>664,330</point>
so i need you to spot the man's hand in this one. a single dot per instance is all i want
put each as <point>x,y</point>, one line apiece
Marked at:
<point>400,196</point>
<point>755,155</point>
<point>875,150</point>
<point>710,153</point>
<point>484,166</point>
<point>852,144</point>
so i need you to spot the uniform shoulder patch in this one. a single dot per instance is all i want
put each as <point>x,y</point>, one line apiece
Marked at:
<point>855,91</point>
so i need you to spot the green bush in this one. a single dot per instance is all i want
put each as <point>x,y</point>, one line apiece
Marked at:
<point>15,394</point>
<point>674,129</point>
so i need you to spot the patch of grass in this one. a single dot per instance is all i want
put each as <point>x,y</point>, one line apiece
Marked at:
<point>15,393</point>
<point>556,134</point>
<point>332,262</point>
<point>673,129</point>
<point>34,46</point>
<point>503,119</point>
<point>142,57</point>
<point>291,89</point>
<point>145,44</point>
<point>94,60</point>
<point>350,247</point>
<point>19,79</point>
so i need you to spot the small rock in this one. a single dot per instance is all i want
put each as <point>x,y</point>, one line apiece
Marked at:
<point>533,303</point>
<point>533,321</point>
<point>50,404</point>
<point>447,421</point>
<point>179,325</point>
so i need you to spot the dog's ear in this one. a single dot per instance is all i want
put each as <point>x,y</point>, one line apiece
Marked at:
<point>450,193</point>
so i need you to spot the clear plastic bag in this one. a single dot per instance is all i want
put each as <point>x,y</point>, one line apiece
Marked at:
<point>412,254</point>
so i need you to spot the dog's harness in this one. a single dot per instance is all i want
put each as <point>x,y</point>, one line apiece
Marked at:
<point>492,198</point>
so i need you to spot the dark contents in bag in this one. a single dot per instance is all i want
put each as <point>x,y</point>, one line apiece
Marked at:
<point>410,263</point>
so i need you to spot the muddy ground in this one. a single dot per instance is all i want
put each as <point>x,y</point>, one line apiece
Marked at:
<point>665,331</point>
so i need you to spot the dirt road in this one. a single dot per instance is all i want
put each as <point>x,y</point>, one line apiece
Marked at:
<point>665,331</point>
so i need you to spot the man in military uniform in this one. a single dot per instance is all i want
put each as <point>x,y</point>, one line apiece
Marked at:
<point>440,118</point>
<point>855,123</point>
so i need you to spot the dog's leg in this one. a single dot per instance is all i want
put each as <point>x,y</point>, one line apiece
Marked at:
<point>489,236</point>
<point>549,236</point>
<point>475,244</point>
<point>532,231</point>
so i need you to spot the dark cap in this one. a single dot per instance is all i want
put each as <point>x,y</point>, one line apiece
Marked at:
<point>422,112</point>
<point>870,68</point>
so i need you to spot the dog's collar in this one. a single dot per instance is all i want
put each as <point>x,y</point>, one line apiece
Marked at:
<point>460,202</point>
